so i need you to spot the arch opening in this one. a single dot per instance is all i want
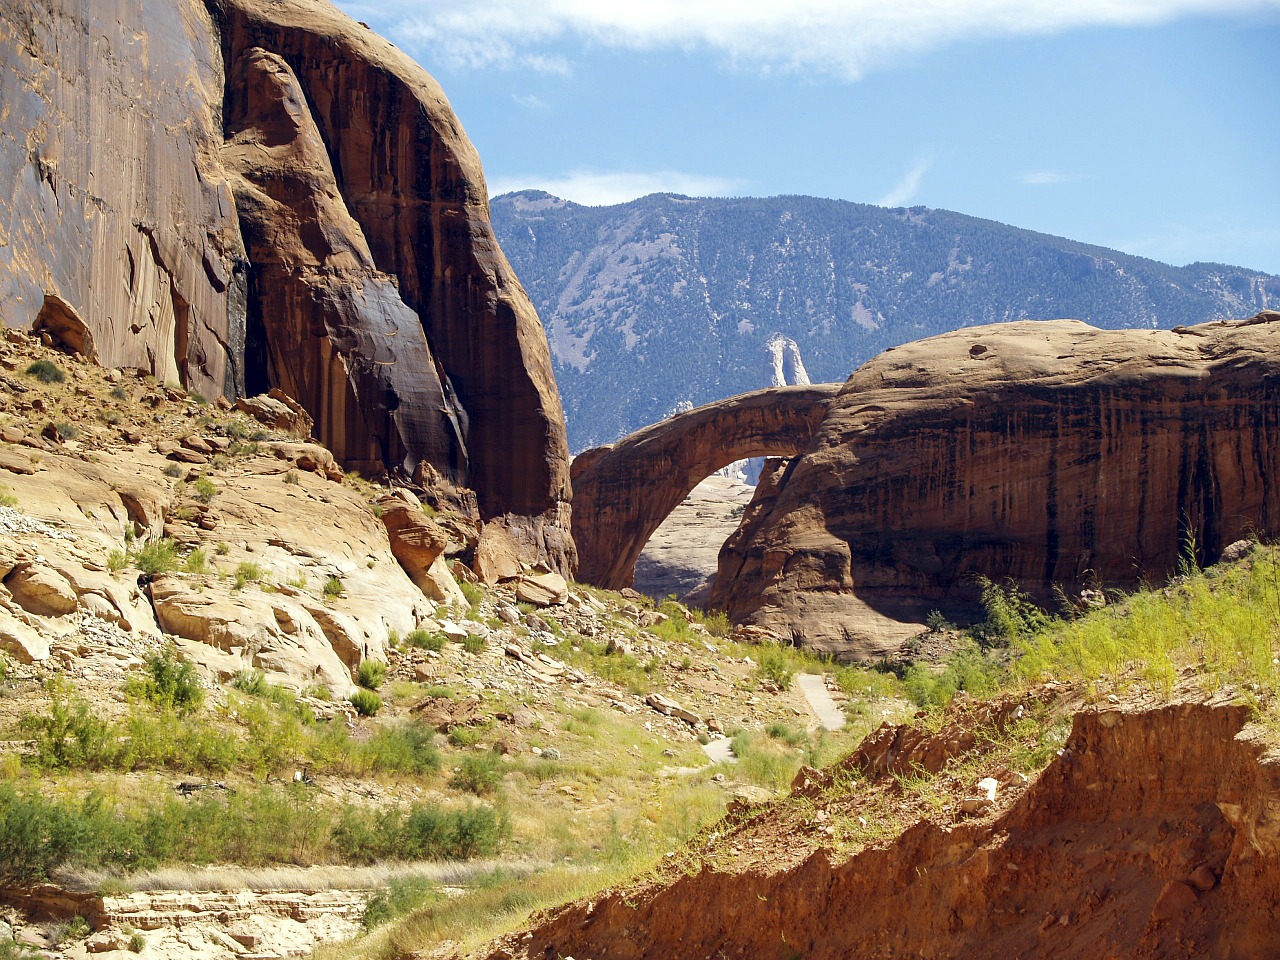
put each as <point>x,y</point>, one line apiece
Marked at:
<point>623,493</point>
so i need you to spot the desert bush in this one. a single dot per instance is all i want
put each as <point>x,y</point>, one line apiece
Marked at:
<point>473,643</point>
<point>46,371</point>
<point>426,640</point>
<point>68,734</point>
<point>371,673</point>
<point>1010,615</point>
<point>204,489</point>
<point>333,587</point>
<point>158,556</point>
<point>169,683</point>
<point>252,682</point>
<point>7,499</point>
<point>366,702</point>
<point>773,664</point>
<point>197,561</point>
<point>967,669</point>
<point>479,773</point>
<point>399,897</point>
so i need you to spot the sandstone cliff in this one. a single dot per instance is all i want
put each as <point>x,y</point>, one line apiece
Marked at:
<point>1051,453</point>
<point>237,194</point>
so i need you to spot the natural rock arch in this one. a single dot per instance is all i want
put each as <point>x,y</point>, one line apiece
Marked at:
<point>623,492</point>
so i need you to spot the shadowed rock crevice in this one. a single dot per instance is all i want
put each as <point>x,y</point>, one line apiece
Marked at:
<point>623,492</point>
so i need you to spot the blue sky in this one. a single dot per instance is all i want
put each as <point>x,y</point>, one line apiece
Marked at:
<point>1149,126</point>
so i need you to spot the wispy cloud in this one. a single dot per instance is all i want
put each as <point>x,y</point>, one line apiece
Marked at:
<point>837,37</point>
<point>598,188</point>
<point>529,101</point>
<point>1047,178</point>
<point>904,191</point>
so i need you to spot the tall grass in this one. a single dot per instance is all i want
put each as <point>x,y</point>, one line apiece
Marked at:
<point>1222,623</point>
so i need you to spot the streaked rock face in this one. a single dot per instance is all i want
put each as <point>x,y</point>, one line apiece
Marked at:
<point>238,194</point>
<point>1051,453</point>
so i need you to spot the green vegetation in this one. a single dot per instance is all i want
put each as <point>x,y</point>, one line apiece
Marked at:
<point>371,673</point>
<point>169,683</point>
<point>66,431</point>
<point>157,556</point>
<point>333,587</point>
<point>254,826</point>
<point>479,773</point>
<point>205,490</point>
<point>246,573</point>
<point>426,640</point>
<point>366,702</point>
<point>473,643</point>
<point>473,592</point>
<point>7,499</point>
<point>774,666</point>
<point>46,371</point>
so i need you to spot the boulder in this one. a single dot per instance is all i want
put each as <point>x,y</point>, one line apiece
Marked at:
<point>20,641</point>
<point>279,411</point>
<point>546,590</point>
<point>41,590</point>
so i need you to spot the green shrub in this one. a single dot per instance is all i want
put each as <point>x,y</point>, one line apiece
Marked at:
<point>172,470</point>
<point>1010,615</point>
<point>399,897</point>
<point>426,640</point>
<point>252,682</point>
<point>774,665</point>
<point>197,562</point>
<point>371,673</point>
<point>246,573</point>
<point>170,683</point>
<point>117,560</point>
<point>473,592</point>
<point>406,748</point>
<point>366,702</point>
<point>291,477</point>
<point>333,587</point>
<point>36,837</point>
<point>967,669</point>
<point>68,734</point>
<point>7,499</point>
<point>479,773</point>
<point>473,643</point>
<point>205,490</point>
<point>66,431</point>
<point>158,556</point>
<point>46,371</point>
<point>136,942</point>
<point>222,549</point>
<point>118,392</point>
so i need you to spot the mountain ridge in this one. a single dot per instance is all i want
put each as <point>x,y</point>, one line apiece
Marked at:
<point>668,302</point>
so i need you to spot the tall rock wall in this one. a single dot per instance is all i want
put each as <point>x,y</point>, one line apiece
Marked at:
<point>1051,453</point>
<point>112,198</point>
<point>241,193</point>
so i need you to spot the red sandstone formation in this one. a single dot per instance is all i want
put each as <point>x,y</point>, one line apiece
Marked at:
<point>1050,452</point>
<point>1152,837</point>
<point>366,280</point>
<point>622,493</point>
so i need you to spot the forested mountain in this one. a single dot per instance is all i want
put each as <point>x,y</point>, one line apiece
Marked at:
<point>667,301</point>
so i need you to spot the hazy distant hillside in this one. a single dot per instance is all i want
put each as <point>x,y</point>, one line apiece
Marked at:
<point>668,301</point>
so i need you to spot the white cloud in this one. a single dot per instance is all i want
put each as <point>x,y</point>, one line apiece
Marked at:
<point>1047,178</point>
<point>529,101</point>
<point>598,188</point>
<point>838,37</point>
<point>902,192</point>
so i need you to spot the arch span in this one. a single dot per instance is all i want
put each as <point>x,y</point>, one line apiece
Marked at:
<point>621,493</point>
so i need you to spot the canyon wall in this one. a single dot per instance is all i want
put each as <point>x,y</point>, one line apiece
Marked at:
<point>239,194</point>
<point>1052,453</point>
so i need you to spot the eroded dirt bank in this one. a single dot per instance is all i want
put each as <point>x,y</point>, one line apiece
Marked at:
<point>1155,834</point>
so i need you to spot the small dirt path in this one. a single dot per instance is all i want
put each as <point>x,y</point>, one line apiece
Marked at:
<point>814,688</point>
<point>720,751</point>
